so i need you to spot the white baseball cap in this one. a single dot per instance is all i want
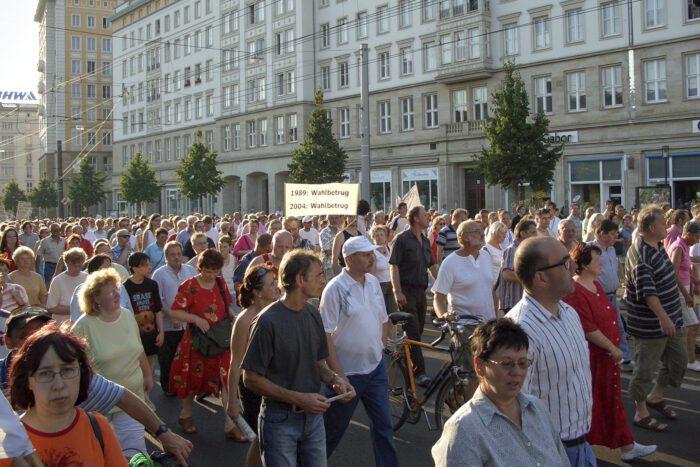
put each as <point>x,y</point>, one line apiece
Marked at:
<point>307,219</point>
<point>357,245</point>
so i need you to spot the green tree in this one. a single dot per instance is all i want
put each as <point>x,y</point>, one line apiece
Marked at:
<point>197,173</point>
<point>518,152</point>
<point>86,190</point>
<point>138,182</point>
<point>43,195</point>
<point>320,159</point>
<point>11,195</point>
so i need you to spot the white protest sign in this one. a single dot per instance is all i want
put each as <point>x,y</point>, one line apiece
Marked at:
<point>24,210</point>
<point>329,198</point>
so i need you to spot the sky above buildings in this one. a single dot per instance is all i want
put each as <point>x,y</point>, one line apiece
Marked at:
<point>19,46</point>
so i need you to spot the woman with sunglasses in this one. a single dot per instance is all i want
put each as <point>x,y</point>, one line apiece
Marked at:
<point>599,320</point>
<point>9,242</point>
<point>435,228</point>
<point>259,290</point>
<point>49,376</point>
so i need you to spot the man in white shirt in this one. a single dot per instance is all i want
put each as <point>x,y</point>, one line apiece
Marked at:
<point>309,234</point>
<point>465,286</point>
<point>574,217</point>
<point>356,325</point>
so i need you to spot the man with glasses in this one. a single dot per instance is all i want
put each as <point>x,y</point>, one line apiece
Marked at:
<point>560,375</point>
<point>465,285</point>
<point>121,252</point>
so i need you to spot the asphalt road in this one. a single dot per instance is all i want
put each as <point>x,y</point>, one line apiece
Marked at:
<point>679,446</point>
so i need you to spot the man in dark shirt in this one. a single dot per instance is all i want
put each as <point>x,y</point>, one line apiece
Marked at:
<point>519,213</point>
<point>263,244</point>
<point>654,319</point>
<point>286,363</point>
<point>410,260</point>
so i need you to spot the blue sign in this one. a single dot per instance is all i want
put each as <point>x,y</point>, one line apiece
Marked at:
<point>18,97</point>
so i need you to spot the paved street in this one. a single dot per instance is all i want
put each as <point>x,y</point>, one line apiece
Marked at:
<point>679,446</point>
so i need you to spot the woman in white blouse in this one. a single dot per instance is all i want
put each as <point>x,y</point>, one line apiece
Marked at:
<point>378,234</point>
<point>495,235</point>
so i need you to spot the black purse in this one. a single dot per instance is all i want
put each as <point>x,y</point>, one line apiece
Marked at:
<point>217,339</point>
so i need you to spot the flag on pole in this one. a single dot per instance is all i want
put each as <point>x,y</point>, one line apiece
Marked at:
<point>412,198</point>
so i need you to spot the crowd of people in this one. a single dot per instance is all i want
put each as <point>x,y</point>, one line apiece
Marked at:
<point>286,320</point>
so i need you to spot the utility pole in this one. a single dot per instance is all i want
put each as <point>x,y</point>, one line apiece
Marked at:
<point>366,175</point>
<point>59,177</point>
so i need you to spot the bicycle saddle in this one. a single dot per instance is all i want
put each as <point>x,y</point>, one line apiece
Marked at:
<point>400,317</point>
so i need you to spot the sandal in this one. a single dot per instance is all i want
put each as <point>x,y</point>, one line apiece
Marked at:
<point>236,435</point>
<point>651,424</point>
<point>663,409</point>
<point>187,425</point>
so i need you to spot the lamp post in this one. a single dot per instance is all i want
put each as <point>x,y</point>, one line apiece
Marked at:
<point>664,154</point>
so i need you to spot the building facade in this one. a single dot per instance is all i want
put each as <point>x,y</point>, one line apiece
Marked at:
<point>618,81</point>
<point>75,89</point>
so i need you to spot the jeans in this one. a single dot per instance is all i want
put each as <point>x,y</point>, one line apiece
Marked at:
<point>166,354</point>
<point>624,346</point>
<point>581,455</point>
<point>373,390</point>
<point>49,269</point>
<point>290,439</point>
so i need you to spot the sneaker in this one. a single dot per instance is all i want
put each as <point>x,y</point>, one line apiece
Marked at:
<point>422,380</point>
<point>639,450</point>
<point>626,367</point>
<point>695,366</point>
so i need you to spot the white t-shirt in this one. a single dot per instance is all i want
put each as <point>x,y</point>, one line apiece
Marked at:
<point>311,236</point>
<point>496,258</point>
<point>354,315</point>
<point>61,291</point>
<point>214,235</point>
<point>382,267</point>
<point>468,284</point>
<point>695,251</point>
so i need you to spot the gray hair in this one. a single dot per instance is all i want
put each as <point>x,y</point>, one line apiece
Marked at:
<point>692,227</point>
<point>647,217</point>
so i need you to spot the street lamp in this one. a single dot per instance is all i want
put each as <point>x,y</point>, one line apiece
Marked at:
<point>664,154</point>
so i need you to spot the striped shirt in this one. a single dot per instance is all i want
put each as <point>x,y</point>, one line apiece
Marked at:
<point>649,272</point>
<point>509,293</point>
<point>447,238</point>
<point>560,375</point>
<point>102,395</point>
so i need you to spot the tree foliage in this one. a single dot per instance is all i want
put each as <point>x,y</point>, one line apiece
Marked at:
<point>518,153</point>
<point>138,182</point>
<point>86,190</point>
<point>43,195</point>
<point>12,194</point>
<point>320,159</point>
<point>197,173</point>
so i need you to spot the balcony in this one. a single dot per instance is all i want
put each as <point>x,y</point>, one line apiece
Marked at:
<point>462,71</point>
<point>468,128</point>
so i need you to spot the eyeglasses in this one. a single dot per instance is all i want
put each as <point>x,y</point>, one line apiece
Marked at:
<point>566,262</point>
<point>47,376</point>
<point>508,365</point>
<point>124,236</point>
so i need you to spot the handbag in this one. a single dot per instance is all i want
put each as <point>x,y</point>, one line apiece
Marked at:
<point>217,339</point>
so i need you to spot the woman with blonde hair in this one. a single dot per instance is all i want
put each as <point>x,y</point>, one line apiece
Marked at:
<point>25,276</point>
<point>495,235</point>
<point>63,285</point>
<point>148,235</point>
<point>593,224</point>
<point>586,219</point>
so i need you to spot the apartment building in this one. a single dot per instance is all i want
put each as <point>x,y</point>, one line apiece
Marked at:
<point>19,140</point>
<point>618,81</point>
<point>75,89</point>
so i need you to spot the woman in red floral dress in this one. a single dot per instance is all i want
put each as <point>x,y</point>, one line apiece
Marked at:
<point>199,301</point>
<point>599,320</point>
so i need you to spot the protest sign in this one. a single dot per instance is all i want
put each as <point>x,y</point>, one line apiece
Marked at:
<point>322,199</point>
<point>24,210</point>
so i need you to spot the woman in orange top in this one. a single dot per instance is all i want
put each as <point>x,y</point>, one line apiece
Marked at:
<point>50,375</point>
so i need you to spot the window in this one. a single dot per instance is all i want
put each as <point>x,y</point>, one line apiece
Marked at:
<point>342,31</point>
<point>106,45</point>
<point>458,7</point>
<point>406,61</point>
<point>692,76</point>
<point>384,70</point>
<point>106,91</point>
<point>75,42</point>
<point>385,117</point>
<point>576,91</point>
<point>176,48</point>
<point>459,106</point>
<point>262,125</point>
<point>210,105</point>
<point>429,56</point>
<point>325,36</point>
<point>474,43</point>
<point>480,100</point>
<point>343,75</point>
<point>159,152</point>
<point>177,147</point>
<point>444,9</point>
<point>166,23</point>
<point>188,44</point>
<point>285,83</point>
<point>235,94</point>
<point>90,66</point>
<point>176,19</point>
<point>91,91</point>
<point>168,115</point>
<point>460,44</point>
<point>197,40</point>
<point>188,109</point>
<point>198,107</point>
<point>510,39</point>
<point>655,13</point>
<point>362,25</point>
<point>292,128</point>
<point>209,36</point>
<point>75,21</point>
<point>543,94</point>
<point>324,2</point>
<point>237,136</point>
<point>344,122</point>
<point>429,10</point>
<point>431,111</point>
<point>407,114</point>
<point>197,10</point>
<point>574,26</point>
<point>445,49</point>
<point>251,134</point>
<point>226,138</point>
<point>91,21</point>
<point>91,115</point>
<point>92,138</point>
<point>542,31</point>
<point>382,19</point>
<point>289,40</point>
<point>325,78</point>
<point>655,80</point>
<point>405,13</point>
<point>279,130</point>
<point>75,67</point>
<point>693,10</point>
<point>611,19</point>
<point>166,146</point>
<point>612,86</point>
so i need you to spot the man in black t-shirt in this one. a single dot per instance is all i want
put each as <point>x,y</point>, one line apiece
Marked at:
<point>285,362</point>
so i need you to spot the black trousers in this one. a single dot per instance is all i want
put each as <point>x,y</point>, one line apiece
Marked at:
<point>417,305</point>
<point>166,354</point>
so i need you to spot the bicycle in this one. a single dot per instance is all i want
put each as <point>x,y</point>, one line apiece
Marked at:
<point>448,382</point>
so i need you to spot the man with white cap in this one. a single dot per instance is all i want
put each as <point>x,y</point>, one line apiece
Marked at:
<point>309,233</point>
<point>356,324</point>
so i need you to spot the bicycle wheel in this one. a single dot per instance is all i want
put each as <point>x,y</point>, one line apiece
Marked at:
<point>399,387</point>
<point>450,397</point>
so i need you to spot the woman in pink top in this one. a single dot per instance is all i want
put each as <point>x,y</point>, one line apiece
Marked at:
<point>680,257</point>
<point>246,242</point>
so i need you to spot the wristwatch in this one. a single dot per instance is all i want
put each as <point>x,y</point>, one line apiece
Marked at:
<point>161,429</point>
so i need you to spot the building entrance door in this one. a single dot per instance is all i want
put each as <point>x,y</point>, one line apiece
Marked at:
<point>474,192</point>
